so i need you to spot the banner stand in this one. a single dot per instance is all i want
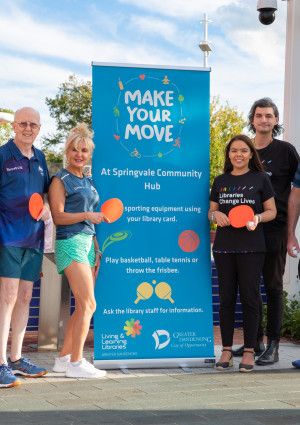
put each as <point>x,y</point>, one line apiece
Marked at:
<point>154,363</point>
<point>154,296</point>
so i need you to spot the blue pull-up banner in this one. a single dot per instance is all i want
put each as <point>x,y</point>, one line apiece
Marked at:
<point>154,302</point>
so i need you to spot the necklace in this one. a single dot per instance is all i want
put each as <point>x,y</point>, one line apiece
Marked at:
<point>264,144</point>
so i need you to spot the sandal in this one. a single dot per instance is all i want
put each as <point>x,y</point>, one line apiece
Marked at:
<point>244,367</point>
<point>225,365</point>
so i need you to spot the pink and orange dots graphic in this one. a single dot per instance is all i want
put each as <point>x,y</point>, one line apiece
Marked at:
<point>188,241</point>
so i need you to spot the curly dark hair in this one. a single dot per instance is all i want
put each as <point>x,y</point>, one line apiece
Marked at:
<point>254,163</point>
<point>265,102</point>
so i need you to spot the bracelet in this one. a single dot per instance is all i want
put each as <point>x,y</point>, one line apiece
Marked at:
<point>212,217</point>
<point>97,251</point>
<point>259,218</point>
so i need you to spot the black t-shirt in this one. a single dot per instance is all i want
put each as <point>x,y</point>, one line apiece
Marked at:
<point>280,160</point>
<point>252,188</point>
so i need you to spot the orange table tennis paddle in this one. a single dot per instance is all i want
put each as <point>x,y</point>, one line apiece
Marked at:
<point>112,209</point>
<point>36,205</point>
<point>240,215</point>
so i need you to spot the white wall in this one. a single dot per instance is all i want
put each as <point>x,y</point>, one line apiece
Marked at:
<point>292,112</point>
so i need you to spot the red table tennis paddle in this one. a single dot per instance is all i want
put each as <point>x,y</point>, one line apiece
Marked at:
<point>36,205</point>
<point>112,209</point>
<point>240,215</point>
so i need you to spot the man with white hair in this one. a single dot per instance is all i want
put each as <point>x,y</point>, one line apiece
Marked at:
<point>23,172</point>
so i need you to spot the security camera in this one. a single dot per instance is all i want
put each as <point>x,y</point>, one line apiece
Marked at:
<point>266,9</point>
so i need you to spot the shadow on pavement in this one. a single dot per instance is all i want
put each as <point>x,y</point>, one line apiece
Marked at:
<point>153,417</point>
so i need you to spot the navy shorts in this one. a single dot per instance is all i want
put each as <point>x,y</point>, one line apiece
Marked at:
<point>20,263</point>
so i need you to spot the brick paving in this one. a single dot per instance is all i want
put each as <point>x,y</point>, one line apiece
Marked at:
<point>203,396</point>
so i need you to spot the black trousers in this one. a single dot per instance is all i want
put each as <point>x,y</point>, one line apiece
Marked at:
<point>239,272</point>
<point>273,271</point>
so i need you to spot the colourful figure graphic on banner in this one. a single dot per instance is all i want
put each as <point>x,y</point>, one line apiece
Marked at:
<point>116,112</point>
<point>120,84</point>
<point>177,143</point>
<point>135,153</point>
<point>166,80</point>
<point>180,98</point>
<point>188,241</point>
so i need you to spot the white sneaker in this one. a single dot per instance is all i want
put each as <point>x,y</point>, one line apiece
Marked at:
<point>60,364</point>
<point>84,369</point>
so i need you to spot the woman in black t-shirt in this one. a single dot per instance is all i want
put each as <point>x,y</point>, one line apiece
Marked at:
<point>239,251</point>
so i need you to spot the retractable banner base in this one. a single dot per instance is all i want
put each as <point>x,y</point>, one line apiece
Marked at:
<point>154,363</point>
<point>154,298</point>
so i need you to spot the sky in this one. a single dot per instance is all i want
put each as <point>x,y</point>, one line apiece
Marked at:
<point>43,42</point>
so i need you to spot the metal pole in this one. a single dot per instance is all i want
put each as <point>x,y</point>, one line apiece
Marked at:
<point>204,45</point>
<point>205,27</point>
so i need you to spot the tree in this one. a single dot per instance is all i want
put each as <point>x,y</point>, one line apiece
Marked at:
<point>5,128</point>
<point>71,105</point>
<point>225,122</point>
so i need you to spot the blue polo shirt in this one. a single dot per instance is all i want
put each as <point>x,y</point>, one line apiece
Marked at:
<point>21,177</point>
<point>296,182</point>
<point>81,195</point>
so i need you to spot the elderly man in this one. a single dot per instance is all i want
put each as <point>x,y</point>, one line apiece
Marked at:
<point>293,246</point>
<point>23,172</point>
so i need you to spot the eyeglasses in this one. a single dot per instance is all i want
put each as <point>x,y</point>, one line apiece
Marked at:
<point>32,125</point>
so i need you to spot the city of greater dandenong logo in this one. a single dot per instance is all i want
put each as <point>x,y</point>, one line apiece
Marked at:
<point>149,116</point>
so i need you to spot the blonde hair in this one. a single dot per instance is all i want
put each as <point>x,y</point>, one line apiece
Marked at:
<point>80,134</point>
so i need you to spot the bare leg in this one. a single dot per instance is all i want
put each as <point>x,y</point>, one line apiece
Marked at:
<point>8,298</point>
<point>248,356</point>
<point>226,355</point>
<point>81,281</point>
<point>68,337</point>
<point>19,318</point>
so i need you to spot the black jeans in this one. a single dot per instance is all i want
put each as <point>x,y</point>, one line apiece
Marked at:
<point>239,272</point>
<point>273,271</point>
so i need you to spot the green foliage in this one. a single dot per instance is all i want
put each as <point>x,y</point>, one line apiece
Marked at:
<point>71,105</point>
<point>225,122</point>
<point>52,156</point>
<point>6,133</point>
<point>6,110</point>
<point>291,318</point>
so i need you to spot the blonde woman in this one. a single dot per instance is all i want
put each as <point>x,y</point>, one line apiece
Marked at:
<point>73,200</point>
